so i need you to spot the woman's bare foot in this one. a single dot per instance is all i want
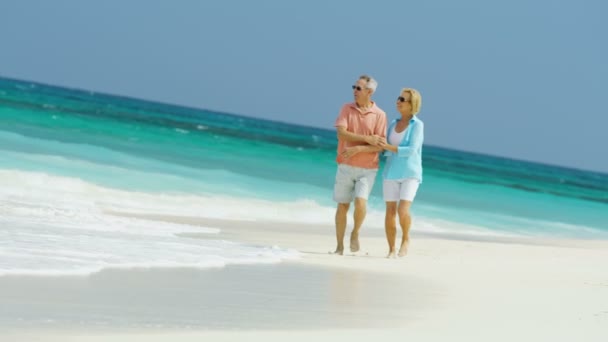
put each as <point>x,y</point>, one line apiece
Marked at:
<point>391,255</point>
<point>403,249</point>
<point>354,242</point>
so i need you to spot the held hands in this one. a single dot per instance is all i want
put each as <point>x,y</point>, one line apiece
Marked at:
<point>371,140</point>
<point>378,141</point>
<point>375,140</point>
<point>386,146</point>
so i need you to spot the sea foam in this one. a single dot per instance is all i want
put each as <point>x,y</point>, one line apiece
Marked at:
<point>52,225</point>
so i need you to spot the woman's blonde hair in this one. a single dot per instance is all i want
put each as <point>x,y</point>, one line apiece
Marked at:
<point>415,99</point>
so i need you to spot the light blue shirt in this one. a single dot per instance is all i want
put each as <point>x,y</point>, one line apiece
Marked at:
<point>407,162</point>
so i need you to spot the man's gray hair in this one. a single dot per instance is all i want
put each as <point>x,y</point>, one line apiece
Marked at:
<point>371,83</point>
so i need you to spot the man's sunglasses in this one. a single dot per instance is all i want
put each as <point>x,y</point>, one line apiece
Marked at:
<point>358,88</point>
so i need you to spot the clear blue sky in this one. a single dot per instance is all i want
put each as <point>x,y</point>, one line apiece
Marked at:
<point>520,78</point>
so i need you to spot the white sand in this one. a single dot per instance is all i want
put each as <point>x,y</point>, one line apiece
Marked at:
<point>445,289</point>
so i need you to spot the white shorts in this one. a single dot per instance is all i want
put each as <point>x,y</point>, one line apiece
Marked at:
<point>400,189</point>
<point>353,182</point>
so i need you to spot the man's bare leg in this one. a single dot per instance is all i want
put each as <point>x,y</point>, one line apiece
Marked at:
<point>405,220</point>
<point>359,216</point>
<point>341,218</point>
<point>390,227</point>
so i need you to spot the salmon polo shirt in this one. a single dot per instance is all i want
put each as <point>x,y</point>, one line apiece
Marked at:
<point>370,121</point>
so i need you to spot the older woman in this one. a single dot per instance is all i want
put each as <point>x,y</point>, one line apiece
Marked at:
<point>403,170</point>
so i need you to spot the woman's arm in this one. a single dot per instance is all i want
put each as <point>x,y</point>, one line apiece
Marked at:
<point>414,144</point>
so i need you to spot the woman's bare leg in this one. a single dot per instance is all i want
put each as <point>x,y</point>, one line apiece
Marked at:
<point>405,220</point>
<point>390,226</point>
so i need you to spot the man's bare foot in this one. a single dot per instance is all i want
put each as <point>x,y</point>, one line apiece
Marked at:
<point>403,249</point>
<point>354,242</point>
<point>338,251</point>
<point>391,255</point>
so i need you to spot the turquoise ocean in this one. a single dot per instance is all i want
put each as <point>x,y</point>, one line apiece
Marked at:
<point>69,157</point>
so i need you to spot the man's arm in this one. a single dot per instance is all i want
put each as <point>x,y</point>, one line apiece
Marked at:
<point>351,151</point>
<point>345,135</point>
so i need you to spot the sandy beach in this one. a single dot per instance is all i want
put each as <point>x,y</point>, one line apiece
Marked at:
<point>447,288</point>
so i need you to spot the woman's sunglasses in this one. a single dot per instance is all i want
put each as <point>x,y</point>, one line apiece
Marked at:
<point>402,99</point>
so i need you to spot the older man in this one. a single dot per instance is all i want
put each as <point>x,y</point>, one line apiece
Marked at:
<point>361,127</point>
